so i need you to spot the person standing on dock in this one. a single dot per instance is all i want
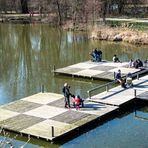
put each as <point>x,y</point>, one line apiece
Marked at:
<point>67,94</point>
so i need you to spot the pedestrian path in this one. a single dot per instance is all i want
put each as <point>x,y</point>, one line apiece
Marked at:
<point>118,96</point>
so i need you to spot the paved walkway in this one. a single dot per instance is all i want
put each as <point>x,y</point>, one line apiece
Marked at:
<point>118,96</point>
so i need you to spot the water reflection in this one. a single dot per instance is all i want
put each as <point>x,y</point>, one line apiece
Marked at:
<point>125,131</point>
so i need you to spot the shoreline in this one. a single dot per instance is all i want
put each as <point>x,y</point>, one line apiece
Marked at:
<point>99,32</point>
<point>119,34</point>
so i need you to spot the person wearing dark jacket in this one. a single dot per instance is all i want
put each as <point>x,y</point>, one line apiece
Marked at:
<point>67,94</point>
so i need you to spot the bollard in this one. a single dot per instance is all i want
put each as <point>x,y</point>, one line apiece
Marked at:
<point>89,95</point>
<point>135,93</point>
<point>137,76</point>
<point>53,68</point>
<point>107,88</point>
<point>52,131</point>
<point>42,88</point>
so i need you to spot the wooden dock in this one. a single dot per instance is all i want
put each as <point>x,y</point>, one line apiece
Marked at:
<point>43,115</point>
<point>96,70</point>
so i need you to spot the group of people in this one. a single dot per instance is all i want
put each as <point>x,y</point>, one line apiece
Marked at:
<point>77,100</point>
<point>96,55</point>
<point>135,64</point>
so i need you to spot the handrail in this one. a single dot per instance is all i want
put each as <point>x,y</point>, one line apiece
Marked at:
<point>111,83</point>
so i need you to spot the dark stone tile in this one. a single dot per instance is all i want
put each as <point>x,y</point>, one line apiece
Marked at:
<point>103,68</point>
<point>20,122</point>
<point>21,106</point>
<point>57,103</point>
<point>60,103</point>
<point>70,116</point>
<point>73,70</point>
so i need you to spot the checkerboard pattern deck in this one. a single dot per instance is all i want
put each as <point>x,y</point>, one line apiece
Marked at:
<point>98,70</point>
<point>36,114</point>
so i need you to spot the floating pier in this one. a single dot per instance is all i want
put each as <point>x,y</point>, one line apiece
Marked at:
<point>96,70</point>
<point>43,115</point>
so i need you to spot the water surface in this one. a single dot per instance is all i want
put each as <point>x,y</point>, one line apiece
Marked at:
<point>27,56</point>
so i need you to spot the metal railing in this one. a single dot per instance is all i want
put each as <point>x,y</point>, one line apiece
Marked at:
<point>108,85</point>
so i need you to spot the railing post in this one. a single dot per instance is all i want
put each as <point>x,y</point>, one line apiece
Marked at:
<point>42,88</point>
<point>53,68</point>
<point>137,76</point>
<point>135,93</point>
<point>52,131</point>
<point>89,94</point>
<point>107,88</point>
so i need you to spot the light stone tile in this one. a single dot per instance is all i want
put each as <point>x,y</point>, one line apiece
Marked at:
<point>43,98</point>
<point>124,70</point>
<point>115,64</point>
<point>83,65</point>
<point>43,129</point>
<point>5,114</point>
<point>88,72</point>
<point>45,111</point>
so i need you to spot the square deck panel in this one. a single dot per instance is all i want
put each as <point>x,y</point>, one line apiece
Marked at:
<point>70,116</point>
<point>71,70</point>
<point>88,73</point>
<point>125,70</point>
<point>83,65</point>
<point>45,112</point>
<point>58,103</point>
<point>21,106</point>
<point>5,114</point>
<point>20,122</point>
<point>43,129</point>
<point>43,98</point>
<point>103,68</point>
<point>105,75</point>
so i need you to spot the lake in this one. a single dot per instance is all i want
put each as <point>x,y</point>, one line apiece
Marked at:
<point>28,53</point>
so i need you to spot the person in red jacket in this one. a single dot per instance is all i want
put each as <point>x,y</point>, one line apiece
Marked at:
<point>77,102</point>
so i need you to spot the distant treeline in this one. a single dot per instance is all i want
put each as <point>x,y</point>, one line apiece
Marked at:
<point>78,11</point>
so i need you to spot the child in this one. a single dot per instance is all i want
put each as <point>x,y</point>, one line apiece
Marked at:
<point>78,101</point>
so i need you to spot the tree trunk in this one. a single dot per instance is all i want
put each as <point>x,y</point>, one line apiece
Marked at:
<point>59,13</point>
<point>24,6</point>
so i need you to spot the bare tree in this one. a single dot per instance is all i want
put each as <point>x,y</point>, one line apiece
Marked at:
<point>24,5</point>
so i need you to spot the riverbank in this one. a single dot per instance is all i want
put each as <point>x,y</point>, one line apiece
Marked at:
<point>119,34</point>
